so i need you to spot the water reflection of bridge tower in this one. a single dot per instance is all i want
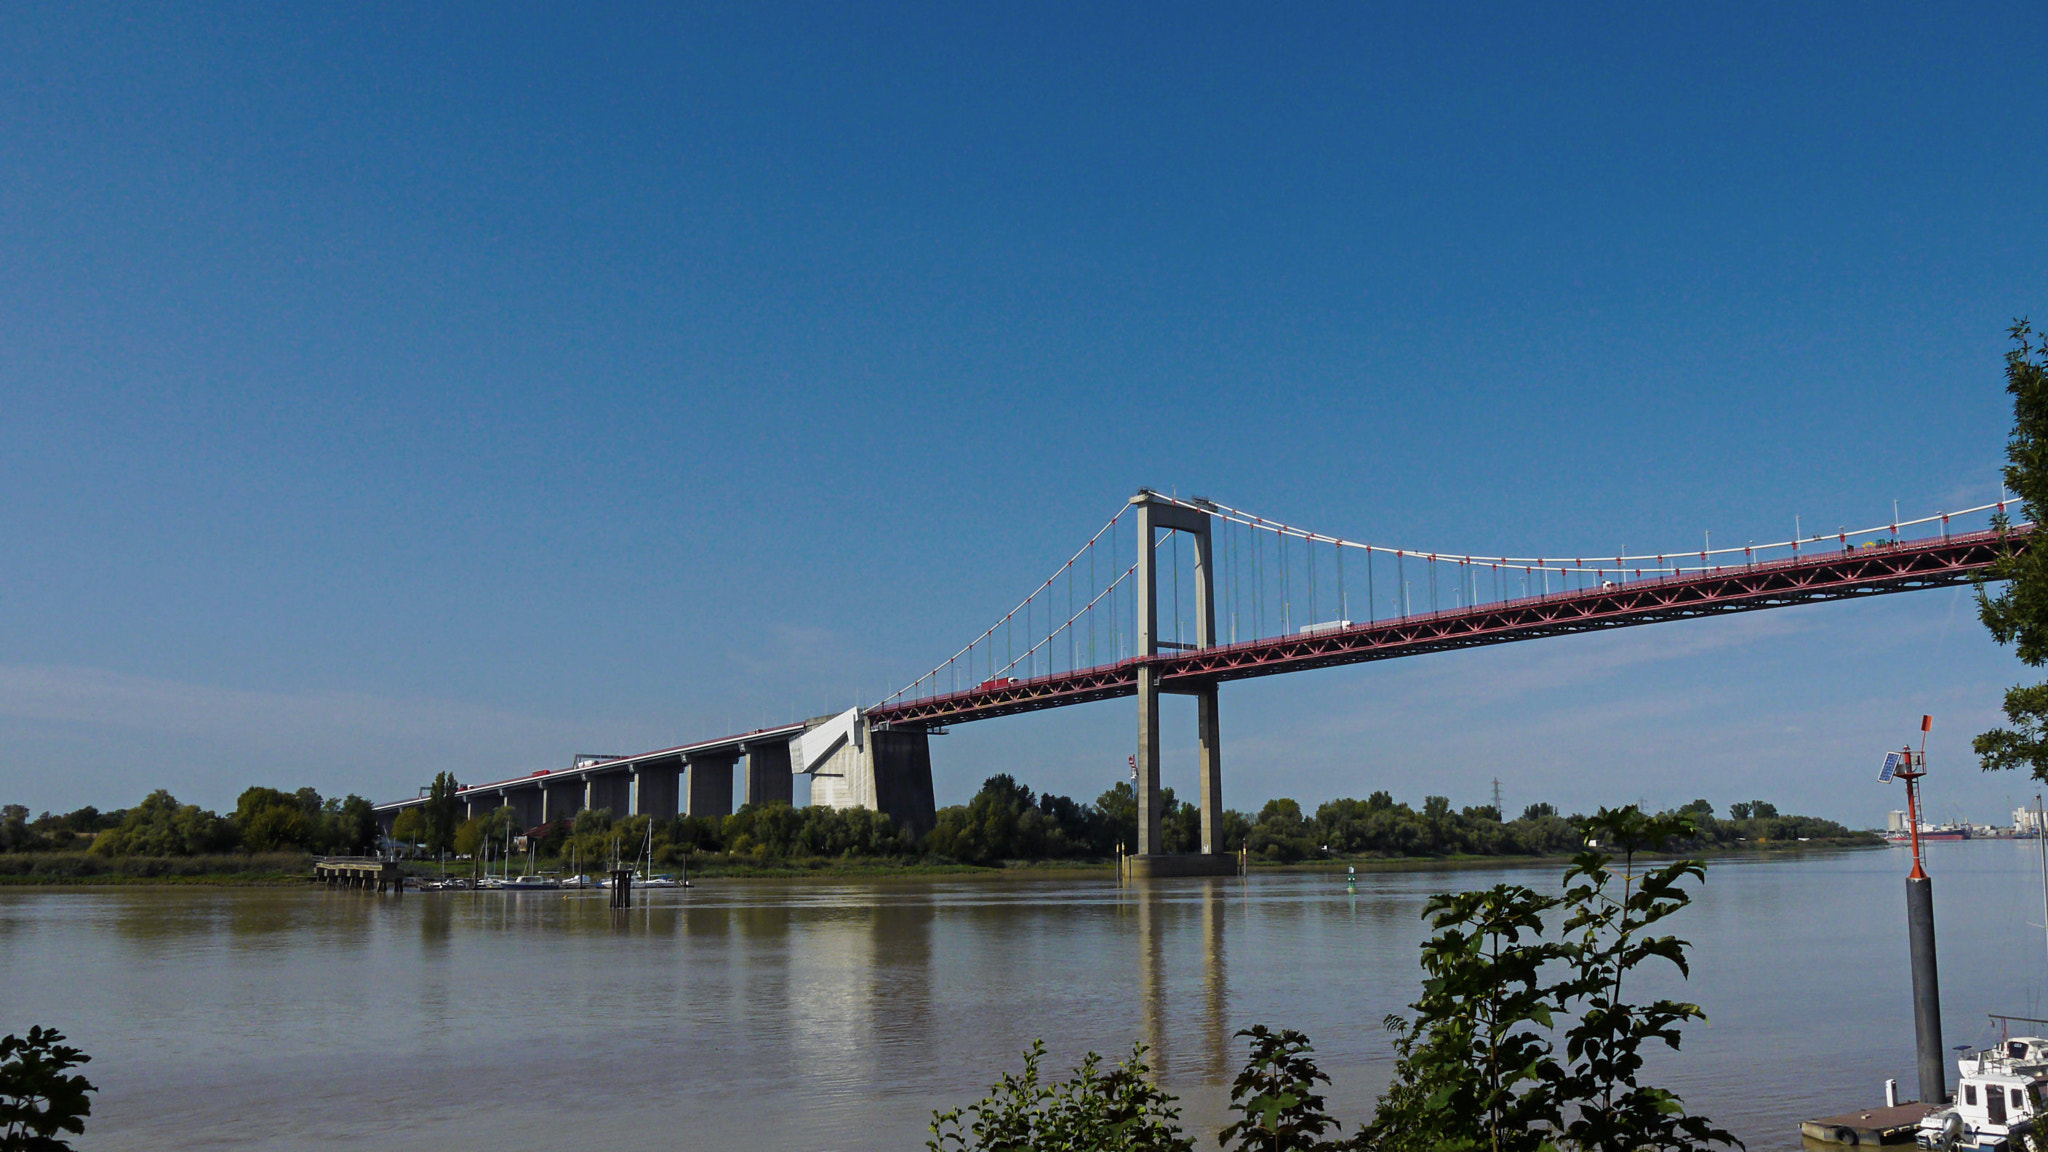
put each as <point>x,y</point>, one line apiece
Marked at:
<point>1165,913</point>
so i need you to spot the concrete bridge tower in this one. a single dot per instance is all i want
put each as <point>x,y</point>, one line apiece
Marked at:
<point>1156,513</point>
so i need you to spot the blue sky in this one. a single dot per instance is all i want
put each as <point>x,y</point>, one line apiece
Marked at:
<point>390,387</point>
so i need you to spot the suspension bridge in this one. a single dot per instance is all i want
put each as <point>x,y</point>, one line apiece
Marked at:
<point>1260,597</point>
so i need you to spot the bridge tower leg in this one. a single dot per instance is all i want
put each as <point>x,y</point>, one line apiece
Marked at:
<point>1154,514</point>
<point>1212,770</point>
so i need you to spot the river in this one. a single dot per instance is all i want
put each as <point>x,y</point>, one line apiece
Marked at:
<point>836,1014</point>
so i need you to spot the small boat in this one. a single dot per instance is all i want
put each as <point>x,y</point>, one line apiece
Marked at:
<point>531,883</point>
<point>662,881</point>
<point>2000,1099</point>
<point>578,881</point>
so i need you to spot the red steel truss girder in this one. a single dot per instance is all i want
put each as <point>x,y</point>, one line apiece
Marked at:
<point>1903,567</point>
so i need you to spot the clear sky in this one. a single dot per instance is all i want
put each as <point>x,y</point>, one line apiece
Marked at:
<point>389,388</point>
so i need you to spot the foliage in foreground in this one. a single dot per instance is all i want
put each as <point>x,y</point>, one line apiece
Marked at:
<point>2018,614</point>
<point>1118,1110</point>
<point>40,1098</point>
<point>1521,1042</point>
<point>1278,1107</point>
<point>1479,1066</point>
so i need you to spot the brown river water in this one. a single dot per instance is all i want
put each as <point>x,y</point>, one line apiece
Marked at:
<point>837,1014</point>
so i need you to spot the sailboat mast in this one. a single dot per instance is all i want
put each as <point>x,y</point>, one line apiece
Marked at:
<point>2041,838</point>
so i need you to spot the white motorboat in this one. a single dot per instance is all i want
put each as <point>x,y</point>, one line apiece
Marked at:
<point>2000,1099</point>
<point>532,883</point>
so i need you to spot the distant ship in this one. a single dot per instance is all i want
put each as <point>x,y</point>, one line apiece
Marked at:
<point>1945,832</point>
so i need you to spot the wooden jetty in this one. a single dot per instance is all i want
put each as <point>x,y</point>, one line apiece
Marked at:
<point>358,872</point>
<point>1894,1125</point>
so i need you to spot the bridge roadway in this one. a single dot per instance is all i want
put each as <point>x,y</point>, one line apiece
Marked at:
<point>651,783</point>
<point>1905,566</point>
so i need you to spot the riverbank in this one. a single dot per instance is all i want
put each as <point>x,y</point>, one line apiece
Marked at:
<point>284,869</point>
<point>64,869</point>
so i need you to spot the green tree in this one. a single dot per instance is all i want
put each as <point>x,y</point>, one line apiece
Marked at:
<point>1118,1110</point>
<point>1476,1069</point>
<point>40,1098</point>
<point>484,832</point>
<point>441,811</point>
<point>2018,614</point>
<point>353,825</point>
<point>1180,827</point>
<point>160,826</point>
<point>1281,832</point>
<point>1006,821</point>
<point>15,833</point>
<point>1615,1111</point>
<point>1278,1107</point>
<point>1118,806</point>
<point>274,821</point>
<point>410,828</point>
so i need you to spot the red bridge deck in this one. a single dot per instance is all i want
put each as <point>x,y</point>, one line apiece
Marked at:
<point>1906,566</point>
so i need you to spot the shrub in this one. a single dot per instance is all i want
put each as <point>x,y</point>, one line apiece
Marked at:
<point>39,1098</point>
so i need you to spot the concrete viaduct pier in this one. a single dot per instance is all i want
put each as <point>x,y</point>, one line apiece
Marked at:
<point>848,764</point>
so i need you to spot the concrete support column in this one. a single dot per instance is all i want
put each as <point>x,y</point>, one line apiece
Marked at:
<point>1212,769</point>
<point>1205,595</point>
<point>709,791</point>
<point>560,800</point>
<point>902,764</point>
<point>768,774</point>
<point>1149,839</point>
<point>528,803</point>
<point>1147,784</point>
<point>1206,731</point>
<point>658,792</point>
<point>611,790</point>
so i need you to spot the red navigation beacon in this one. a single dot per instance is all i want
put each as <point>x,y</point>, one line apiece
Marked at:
<point>1910,768</point>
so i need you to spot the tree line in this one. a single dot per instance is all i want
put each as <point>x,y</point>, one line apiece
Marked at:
<point>265,820</point>
<point>1006,820</point>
